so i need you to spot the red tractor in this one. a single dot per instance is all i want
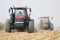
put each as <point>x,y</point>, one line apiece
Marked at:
<point>19,19</point>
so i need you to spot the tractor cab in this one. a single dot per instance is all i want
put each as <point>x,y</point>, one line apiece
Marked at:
<point>44,19</point>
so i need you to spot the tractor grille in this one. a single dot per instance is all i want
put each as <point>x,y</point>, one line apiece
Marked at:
<point>19,20</point>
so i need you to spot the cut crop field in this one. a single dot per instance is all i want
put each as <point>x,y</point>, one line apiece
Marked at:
<point>40,35</point>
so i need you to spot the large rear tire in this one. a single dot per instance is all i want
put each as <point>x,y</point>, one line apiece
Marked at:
<point>1,26</point>
<point>8,26</point>
<point>31,26</point>
<point>51,27</point>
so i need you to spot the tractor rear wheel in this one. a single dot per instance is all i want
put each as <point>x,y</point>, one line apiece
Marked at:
<point>31,26</point>
<point>51,27</point>
<point>1,26</point>
<point>8,26</point>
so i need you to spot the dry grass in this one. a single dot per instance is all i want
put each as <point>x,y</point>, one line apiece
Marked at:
<point>41,35</point>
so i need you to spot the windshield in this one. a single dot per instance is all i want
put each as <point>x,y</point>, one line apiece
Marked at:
<point>44,20</point>
<point>19,11</point>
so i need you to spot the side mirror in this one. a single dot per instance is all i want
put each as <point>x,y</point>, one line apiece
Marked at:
<point>51,17</point>
<point>10,9</point>
<point>30,10</point>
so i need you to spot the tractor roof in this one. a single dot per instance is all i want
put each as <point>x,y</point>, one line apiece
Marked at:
<point>19,7</point>
<point>44,17</point>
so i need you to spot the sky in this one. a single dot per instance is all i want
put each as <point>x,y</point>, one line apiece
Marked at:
<point>39,8</point>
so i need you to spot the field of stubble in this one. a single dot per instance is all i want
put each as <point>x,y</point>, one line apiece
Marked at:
<point>41,35</point>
